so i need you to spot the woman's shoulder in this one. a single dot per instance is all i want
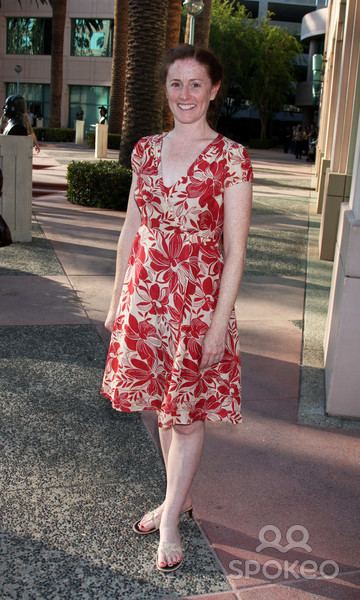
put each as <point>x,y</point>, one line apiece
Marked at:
<point>149,140</point>
<point>233,148</point>
<point>238,163</point>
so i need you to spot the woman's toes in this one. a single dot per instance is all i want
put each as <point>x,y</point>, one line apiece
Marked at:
<point>162,562</point>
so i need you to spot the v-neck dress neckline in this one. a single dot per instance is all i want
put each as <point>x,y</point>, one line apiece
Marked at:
<point>190,168</point>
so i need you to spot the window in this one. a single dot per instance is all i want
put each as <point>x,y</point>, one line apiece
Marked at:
<point>88,99</point>
<point>27,35</point>
<point>91,37</point>
<point>37,96</point>
<point>289,13</point>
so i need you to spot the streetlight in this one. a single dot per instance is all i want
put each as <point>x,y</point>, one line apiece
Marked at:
<point>17,69</point>
<point>193,9</point>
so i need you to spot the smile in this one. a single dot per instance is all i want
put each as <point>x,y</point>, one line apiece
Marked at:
<point>186,106</point>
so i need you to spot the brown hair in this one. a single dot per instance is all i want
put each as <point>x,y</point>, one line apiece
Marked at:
<point>204,57</point>
<point>201,55</point>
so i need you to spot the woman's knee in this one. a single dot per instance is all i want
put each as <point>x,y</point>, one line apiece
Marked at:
<point>189,429</point>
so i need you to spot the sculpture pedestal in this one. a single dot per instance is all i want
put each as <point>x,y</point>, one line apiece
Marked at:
<point>16,199</point>
<point>79,132</point>
<point>101,140</point>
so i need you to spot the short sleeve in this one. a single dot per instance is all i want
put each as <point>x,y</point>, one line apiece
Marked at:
<point>238,166</point>
<point>137,155</point>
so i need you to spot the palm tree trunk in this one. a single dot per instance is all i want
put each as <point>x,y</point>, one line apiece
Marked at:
<point>118,69</point>
<point>202,26</point>
<point>59,8</point>
<point>172,39</point>
<point>143,91</point>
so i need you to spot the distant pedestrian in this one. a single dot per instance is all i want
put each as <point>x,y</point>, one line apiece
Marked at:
<point>174,347</point>
<point>287,139</point>
<point>31,132</point>
<point>299,141</point>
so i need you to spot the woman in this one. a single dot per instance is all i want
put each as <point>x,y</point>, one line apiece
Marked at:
<point>174,346</point>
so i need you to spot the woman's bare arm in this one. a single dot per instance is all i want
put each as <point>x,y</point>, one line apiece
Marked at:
<point>131,225</point>
<point>237,215</point>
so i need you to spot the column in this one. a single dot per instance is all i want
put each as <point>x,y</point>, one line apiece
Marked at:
<point>342,336</point>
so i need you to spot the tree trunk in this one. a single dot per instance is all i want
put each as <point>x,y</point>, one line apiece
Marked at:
<point>118,69</point>
<point>57,57</point>
<point>172,39</point>
<point>143,105</point>
<point>202,26</point>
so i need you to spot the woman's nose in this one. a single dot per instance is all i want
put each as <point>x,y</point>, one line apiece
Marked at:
<point>184,92</point>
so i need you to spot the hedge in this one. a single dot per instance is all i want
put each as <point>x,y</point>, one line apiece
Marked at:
<point>54,134</point>
<point>103,184</point>
<point>113,140</point>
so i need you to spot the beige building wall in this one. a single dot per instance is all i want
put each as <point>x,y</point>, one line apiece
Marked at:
<point>36,69</point>
<point>340,102</point>
<point>338,172</point>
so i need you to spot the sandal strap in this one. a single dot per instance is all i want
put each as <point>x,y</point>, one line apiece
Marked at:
<point>170,547</point>
<point>152,515</point>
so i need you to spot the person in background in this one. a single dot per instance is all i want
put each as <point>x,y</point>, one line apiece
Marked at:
<point>30,131</point>
<point>287,139</point>
<point>299,141</point>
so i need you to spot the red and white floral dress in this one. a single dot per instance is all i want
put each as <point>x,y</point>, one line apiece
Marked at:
<point>170,291</point>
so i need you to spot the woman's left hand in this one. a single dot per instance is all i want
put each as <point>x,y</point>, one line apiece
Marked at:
<point>213,347</point>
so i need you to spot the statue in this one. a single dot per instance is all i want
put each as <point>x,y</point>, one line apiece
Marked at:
<point>14,111</point>
<point>102,114</point>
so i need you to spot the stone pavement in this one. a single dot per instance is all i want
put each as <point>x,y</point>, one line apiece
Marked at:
<point>76,474</point>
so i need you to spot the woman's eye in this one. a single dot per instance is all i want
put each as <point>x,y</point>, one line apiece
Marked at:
<point>174,84</point>
<point>196,85</point>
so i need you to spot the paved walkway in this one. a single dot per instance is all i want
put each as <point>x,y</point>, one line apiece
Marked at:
<point>76,474</point>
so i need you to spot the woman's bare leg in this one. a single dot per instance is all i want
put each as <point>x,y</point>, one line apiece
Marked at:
<point>165,435</point>
<point>182,463</point>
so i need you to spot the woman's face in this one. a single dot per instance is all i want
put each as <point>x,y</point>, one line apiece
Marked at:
<point>189,90</point>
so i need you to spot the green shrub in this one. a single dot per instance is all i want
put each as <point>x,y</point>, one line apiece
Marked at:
<point>104,184</point>
<point>263,144</point>
<point>54,134</point>
<point>113,140</point>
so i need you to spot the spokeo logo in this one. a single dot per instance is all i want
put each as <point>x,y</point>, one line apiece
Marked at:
<point>272,569</point>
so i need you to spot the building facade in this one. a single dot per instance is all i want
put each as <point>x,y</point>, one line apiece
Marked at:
<point>338,195</point>
<point>25,47</point>
<point>286,13</point>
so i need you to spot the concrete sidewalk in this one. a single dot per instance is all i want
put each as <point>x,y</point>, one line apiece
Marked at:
<point>76,474</point>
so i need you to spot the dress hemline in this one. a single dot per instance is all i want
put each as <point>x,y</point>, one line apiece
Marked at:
<point>235,420</point>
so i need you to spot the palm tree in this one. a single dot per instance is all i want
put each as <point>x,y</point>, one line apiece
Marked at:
<point>118,70</point>
<point>59,8</point>
<point>172,39</point>
<point>143,93</point>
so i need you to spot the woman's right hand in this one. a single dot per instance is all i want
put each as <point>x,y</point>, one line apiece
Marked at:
<point>110,320</point>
